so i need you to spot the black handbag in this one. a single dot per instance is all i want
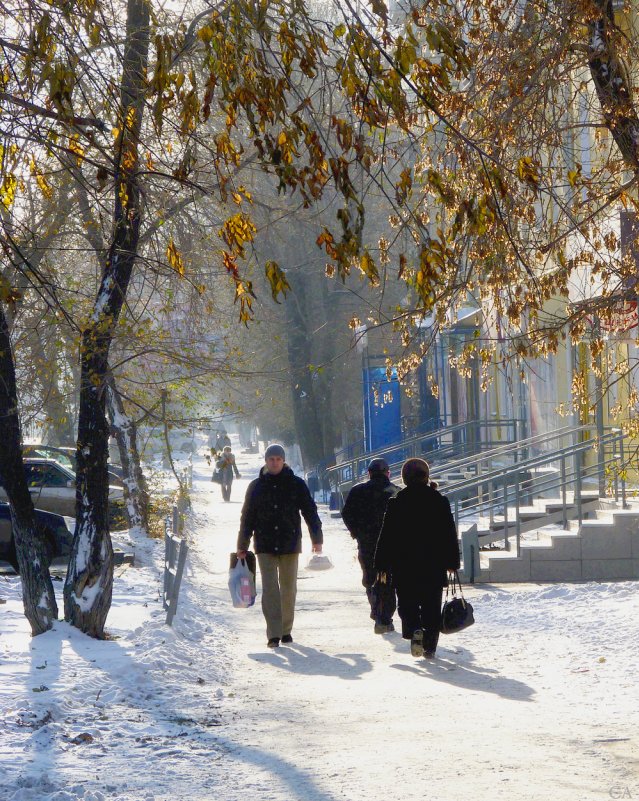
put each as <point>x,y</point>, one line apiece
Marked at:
<point>457,613</point>
<point>217,476</point>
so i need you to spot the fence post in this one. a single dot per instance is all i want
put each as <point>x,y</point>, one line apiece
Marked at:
<point>170,614</point>
<point>174,546</point>
<point>506,540</point>
<point>564,492</point>
<point>578,498</point>
<point>470,553</point>
<point>168,545</point>
<point>517,516</point>
<point>176,520</point>
<point>624,505</point>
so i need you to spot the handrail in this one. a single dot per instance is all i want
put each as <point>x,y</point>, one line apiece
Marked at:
<point>534,461</point>
<point>445,436</point>
<point>513,447</point>
<point>426,427</point>
<point>503,485</point>
<point>521,444</point>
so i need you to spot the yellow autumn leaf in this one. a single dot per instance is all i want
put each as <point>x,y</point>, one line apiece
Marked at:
<point>205,34</point>
<point>8,190</point>
<point>527,171</point>
<point>574,175</point>
<point>277,280</point>
<point>175,258</point>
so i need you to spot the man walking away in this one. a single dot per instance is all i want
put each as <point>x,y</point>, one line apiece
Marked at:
<point>363,514</point>
<point>226,466</point>
<point>271,516</point>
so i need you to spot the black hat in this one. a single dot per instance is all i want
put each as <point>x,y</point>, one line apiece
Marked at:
<point>274,450</point>
<point>378,465</point>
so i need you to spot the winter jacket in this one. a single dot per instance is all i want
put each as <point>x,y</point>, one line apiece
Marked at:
<point>364,510</point>
<point>226,465</point>
<point>271,514</point>
<point>418,541</point>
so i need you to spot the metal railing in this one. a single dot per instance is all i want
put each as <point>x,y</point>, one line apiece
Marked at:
<point>506,481</point>
<point>175,552</point>
<point>451,444</point>
<point>358,447</point>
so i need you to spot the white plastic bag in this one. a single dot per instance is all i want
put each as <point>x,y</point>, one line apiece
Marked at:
<point>319,561</point>
<point>242,585</point>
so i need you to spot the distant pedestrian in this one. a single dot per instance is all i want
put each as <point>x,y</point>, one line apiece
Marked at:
<point>363,514</point>
<point>313,482</point>
<point>226,467</point>
<point>221,440</point>
<point>271,516</point>
<point>417,546</point>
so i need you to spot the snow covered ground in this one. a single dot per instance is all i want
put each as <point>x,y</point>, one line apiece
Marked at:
<point>538,700</point>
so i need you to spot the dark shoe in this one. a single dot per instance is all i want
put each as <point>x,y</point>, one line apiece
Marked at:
<point>287,638</point>
<point>274,642</point>
<point>417,643</point>
<point>383,628</point>
<point>429,654</point>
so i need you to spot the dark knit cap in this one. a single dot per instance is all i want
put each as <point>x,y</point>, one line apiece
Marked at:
<point>274,450</point>
<point>378,465</point>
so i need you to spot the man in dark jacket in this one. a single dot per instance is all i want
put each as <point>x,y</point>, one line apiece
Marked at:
<point>363,514</point>
<point>416,548</point>
<point>271,516</point>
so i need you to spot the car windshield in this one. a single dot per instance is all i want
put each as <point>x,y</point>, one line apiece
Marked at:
<point>45,452</point>
<point>64,459</point>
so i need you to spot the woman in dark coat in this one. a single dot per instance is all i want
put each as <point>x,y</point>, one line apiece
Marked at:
<point>417,546</point>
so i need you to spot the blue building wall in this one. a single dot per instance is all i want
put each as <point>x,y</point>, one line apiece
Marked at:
<point>382,408</point>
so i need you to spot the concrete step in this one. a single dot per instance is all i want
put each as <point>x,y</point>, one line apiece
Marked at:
<point>602,549</point>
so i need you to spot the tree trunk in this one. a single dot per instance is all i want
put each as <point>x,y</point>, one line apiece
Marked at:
<point>89,584</point>
<point>40,606</point>
<point>308,424</point>
<point>612,83</point>
<point>136,492</point>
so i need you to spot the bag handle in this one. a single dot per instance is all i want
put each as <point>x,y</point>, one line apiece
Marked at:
<point>455,581</point>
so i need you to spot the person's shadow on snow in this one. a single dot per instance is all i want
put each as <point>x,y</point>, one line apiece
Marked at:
<point>456,667</point>
<point>307,661</point>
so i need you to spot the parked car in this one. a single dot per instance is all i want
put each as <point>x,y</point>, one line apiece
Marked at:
<point>52,488</point>
<point>58,532</point>
<point>66,457</point>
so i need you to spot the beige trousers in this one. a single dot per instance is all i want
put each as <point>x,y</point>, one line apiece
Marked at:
<point>279,588</point>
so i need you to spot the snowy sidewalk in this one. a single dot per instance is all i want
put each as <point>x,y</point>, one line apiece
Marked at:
<point>537,699</point>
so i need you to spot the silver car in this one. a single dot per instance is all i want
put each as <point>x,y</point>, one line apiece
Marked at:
<point>52,488</point>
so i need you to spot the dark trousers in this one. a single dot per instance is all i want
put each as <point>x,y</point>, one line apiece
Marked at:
<point>420,608</point>
<point>226,489</point>
<point>381,597</point>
